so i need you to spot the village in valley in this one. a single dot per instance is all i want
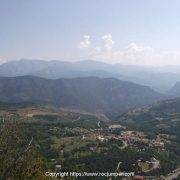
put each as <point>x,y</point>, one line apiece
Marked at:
<point>75,142</point>
<point>101,134</point>
<point>130,138</point>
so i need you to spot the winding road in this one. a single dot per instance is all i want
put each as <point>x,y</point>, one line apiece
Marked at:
<point>173,175</point>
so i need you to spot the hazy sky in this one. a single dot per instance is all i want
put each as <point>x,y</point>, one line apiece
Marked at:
<point>125,31</point>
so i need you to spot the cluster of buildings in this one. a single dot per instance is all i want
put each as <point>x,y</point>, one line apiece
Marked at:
<point>131,136</point>
<point>134,136</point>
<point>157,143</point>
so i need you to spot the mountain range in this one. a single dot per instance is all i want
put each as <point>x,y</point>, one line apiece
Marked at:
<point>104,95</point>
<point>160,79</point>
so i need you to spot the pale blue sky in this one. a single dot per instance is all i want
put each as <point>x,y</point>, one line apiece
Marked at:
<point>52,29</point>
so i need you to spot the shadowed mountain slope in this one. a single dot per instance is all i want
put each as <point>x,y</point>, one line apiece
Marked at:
<point>104,95</point>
